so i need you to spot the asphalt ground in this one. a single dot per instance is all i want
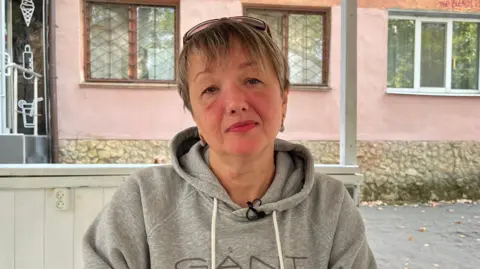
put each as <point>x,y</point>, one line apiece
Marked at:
<point>424,236</point>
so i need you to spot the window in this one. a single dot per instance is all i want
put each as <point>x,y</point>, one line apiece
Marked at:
<point>430,55</point>
<point>127,42</point>
<point>303,38</point>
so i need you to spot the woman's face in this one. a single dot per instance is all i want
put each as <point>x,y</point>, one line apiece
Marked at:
<point>238,109</point>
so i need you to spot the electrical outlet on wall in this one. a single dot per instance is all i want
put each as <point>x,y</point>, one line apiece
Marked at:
<point>62,198</point>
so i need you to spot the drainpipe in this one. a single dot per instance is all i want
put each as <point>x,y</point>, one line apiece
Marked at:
<point>3,91</point>
<point>52,75</point>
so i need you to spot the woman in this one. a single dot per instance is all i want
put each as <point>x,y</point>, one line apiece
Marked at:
<point>235,196</point>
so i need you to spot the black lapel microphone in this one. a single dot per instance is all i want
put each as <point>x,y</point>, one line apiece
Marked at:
<point>252,213</point>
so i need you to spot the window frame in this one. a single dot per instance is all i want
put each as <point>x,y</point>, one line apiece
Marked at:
<point>132,37</point>
<point>447,90</point>
<point>326,13</point>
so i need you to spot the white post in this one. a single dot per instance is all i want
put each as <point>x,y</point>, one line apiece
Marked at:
<point>348,93</point>
<point>15,102</point>
<point>35,105</point>
<point>3,86</point>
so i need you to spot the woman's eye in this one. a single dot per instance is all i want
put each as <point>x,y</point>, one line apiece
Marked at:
<point>210,90</point>
<point>253,81</point>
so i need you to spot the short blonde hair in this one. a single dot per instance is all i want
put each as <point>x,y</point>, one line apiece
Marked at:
<point>215,41</point>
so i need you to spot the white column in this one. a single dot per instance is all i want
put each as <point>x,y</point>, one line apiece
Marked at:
<point>348,92</point>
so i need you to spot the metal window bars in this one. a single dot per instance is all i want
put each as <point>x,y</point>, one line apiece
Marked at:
<point>27,109</point>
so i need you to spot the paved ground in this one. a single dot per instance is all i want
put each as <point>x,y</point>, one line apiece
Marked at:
<point>408,237</point>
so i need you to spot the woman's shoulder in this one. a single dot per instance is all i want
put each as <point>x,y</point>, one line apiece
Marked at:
<point>327,199</point>
<point>327,185</point>
<point>154,181</point>
<point>155,176</point>
<point>156,189</point>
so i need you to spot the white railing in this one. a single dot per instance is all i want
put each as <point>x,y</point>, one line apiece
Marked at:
<point>26,109</point>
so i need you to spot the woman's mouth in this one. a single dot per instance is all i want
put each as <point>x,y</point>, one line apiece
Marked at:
<point>242,126</point>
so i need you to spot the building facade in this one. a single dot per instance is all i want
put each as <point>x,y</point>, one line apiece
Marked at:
<point>418,85</point>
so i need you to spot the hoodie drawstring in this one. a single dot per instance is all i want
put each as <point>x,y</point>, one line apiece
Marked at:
<point>277,238</point>
<point>214,224</point>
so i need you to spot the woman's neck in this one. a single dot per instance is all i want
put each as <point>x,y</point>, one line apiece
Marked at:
<point>245,179</point>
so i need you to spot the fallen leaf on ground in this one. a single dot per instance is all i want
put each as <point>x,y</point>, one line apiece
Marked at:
<point>423,229</point>
<point>410,238</point>
<point>458,222</point>
<point>462,236</point>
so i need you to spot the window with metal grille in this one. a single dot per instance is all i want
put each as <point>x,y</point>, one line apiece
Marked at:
<point>125,42</point>
<point>303,37</point>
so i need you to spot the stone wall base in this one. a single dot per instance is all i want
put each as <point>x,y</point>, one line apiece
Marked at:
<point>393,170</point>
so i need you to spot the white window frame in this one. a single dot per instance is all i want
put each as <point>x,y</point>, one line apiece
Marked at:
<point>447,90</point>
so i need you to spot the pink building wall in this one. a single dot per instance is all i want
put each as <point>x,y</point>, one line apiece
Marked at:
<point>87,111</point>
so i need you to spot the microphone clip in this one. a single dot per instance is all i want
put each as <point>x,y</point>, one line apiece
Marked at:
<point>256,214</point>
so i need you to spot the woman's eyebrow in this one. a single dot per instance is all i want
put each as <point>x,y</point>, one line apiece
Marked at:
<point>204,72</point>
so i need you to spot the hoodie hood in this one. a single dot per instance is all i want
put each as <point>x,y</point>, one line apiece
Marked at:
<point>292,183</point>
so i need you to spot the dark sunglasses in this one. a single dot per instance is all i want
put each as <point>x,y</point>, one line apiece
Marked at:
<point>250,21</point>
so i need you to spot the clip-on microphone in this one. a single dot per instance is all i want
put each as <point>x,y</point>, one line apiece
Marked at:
<point>257,214</point>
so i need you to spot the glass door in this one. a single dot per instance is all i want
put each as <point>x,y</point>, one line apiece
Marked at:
<point>26,48</point>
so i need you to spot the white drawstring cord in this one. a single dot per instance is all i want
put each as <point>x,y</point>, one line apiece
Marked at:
<point>277,237</point>
<point>214,223</point>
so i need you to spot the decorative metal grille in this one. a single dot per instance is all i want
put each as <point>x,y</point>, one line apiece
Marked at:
<point>129,42</point>
<point>156,43</point>
<point>109,48</point>
<point>302,37</point>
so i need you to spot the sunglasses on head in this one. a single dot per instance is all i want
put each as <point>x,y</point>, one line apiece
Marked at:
<point>250,21</point>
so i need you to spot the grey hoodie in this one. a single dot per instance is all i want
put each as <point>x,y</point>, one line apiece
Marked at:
<point>180,217</point>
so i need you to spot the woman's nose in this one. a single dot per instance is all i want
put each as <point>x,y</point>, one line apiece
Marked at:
<point>236,100</point>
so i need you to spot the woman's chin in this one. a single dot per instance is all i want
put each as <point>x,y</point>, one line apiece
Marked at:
<point>245,147</point>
